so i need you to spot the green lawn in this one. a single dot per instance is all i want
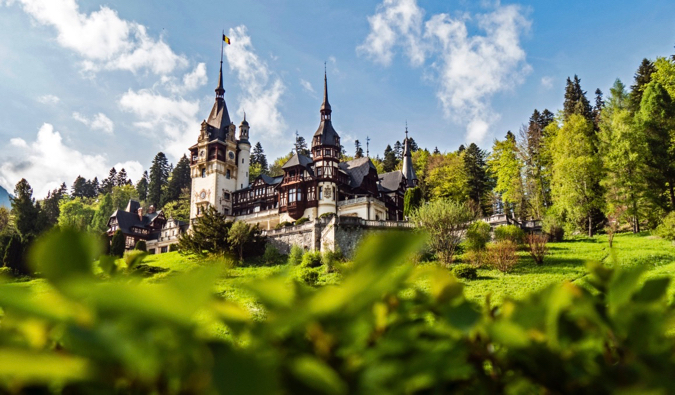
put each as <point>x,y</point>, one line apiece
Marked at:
<point>566,262</point>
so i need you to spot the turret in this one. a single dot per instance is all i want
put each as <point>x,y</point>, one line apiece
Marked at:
<point>326,152</point>
<point>408,170</point>
<point>244,155</point>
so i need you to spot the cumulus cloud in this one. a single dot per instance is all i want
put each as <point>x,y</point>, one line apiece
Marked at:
<point>468,69</point>
<point>261,89</point>
<point>47,162</point>
<point>103,39</point>
<point>98,122</point>
<point>306,85</point>
<point>48,99</point>
<point>172,121</point>
<point>396,22</point>
<point>191,81</point>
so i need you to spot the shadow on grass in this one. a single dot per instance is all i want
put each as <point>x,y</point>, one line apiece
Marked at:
<point>551,265</point>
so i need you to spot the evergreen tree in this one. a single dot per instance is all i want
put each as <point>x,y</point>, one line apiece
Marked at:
<point>412,145</point>
<point>576,101</point>
<point>14,257</point>
<point>50,206</point>
<point>122,179</point>
<point>208,234</point>
<point>79,188</point>
<point>597,108</point>
<point>180,179</point>
<point>93,188</point>
<point>478,181</point>
<point>108,184</point>
<point>179,209</point>
<point>537,180</point>
<point>436,151</point>
<point>301,145</point>
<point>105,209</point>
<point>258,157</point>
<point>142,187</point>
<point>26,213</point>
<point>643,76</point>
<point>656,119</point>
<point>159,176</point>
<point>359,150</point>
<point>390,161</point>
<point>412,200</point>
<point>461,148</point>
<point>398,150</point>
<point>118,245</point>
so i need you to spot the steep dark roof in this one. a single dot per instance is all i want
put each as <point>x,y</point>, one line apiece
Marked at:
<point>390,182</point>
<point>219,119</point>
<point>357,169</point>
<point>128,219</point>
<point>408,170</point>
<point>296,160</point>
<point>271,180</point>
<point>132,206</point>
<point>327,135</point>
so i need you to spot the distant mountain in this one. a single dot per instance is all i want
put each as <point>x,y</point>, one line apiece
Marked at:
<point>4,198</point>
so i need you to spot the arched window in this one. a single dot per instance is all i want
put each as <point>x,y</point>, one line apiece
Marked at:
<point>203,172</point>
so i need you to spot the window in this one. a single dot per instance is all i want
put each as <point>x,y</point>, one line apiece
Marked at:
<point>228,174</point>
<point>319,171</point>
<point>291,195</point>
<point>327,152</point>
<point>242,160</point>
<point>203,172</point>
<point>299,195</point>
<point>320,193</point>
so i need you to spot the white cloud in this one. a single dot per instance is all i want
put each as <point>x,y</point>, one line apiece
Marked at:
<point>261,90</point>
<point>468,69</point>
<point>547,82</point>
<point>191,80</point>
<point>47,162</point>
<point>395,22</point>
<point>172,121</point>
<point>99,122</point>
<point>306,85</point>
<point>48,99</point>
<point>103,39</point>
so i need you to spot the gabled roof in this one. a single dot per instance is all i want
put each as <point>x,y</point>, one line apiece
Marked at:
<point>357,169</point>
<point>298,160</point>
<point>390,182</point>
<point>130,219</point>
<point>271,180</point>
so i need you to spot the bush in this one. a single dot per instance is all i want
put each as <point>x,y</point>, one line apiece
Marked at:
<point>14,256</point>
<point>412,200</point>
<point>667,227</point>
<point>117,246</point>
<point>272,256</point>
<point>173,247</point>
<point>331,259</point>
<point>511,233</point>
<point>309,276</point>
<point>477,236</point>
<point>134,258</point>
<point>538,247</point>
<point>553,228</point>
<point>464,271</point>
<point>445,221</point>
<point>6,271</point>
<point>327,215</point>
<point>295,256</point>
<point>502,255</point>
<point>301,221</point>
<point>283,225</point>
<point>141,246</point>
<point>476,258</point>
<point>311,259</point>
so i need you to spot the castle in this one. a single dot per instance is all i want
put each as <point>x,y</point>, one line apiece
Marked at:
<point>332,195</point>
<point>311,186</point>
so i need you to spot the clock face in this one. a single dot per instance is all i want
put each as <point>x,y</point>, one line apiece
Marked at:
<point>202,195</point>
<point>231,155</point>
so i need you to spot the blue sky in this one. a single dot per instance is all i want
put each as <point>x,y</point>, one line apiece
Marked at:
<point>86,85</point>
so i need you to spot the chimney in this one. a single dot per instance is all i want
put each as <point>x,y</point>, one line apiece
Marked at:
<point>140,213</point>
<point>151,209</point>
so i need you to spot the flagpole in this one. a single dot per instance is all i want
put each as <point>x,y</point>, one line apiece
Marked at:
<point>222,46</point>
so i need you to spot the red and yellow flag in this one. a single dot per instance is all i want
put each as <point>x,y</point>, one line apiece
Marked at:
<point>226,39</point>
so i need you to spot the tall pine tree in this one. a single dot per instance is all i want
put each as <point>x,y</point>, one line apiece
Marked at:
<point>180,179</point>
<point>358,152</point>
<point>26,212</point>
<point>258,157</point>
<point>159,176</point>
<point>643,76</point>
<point>142,187</point>
<point>478,181</point>
<point>576,101</point>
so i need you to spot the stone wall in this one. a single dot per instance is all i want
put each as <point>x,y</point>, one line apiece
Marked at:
<point>325,234</point>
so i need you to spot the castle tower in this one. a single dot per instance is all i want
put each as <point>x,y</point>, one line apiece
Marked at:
<point>408,170</point>
<point>243,158</point>
<point>326,153</point>
<point>213,160</point>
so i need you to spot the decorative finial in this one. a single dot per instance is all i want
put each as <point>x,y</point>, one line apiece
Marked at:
<point>367,147</point>
<point>244,115</point>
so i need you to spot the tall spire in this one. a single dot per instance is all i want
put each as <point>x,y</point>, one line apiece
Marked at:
<point>408,170</point>
<point>220,91</point>
<point>325,107</point>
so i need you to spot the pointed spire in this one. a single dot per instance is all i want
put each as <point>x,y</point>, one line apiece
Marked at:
<point>325,107</point>
<point>408,170</point>
<point>220,91</point>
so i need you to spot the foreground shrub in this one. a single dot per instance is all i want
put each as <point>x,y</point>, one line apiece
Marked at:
<point>301,221</point>
<point>295,256</point>
<point>311,259</point>
<point>134,258</point>
<point>537,247</point>
<point>667,227</point>
<point>502,255</point>
<point>477,236</point>
<point>364,336</point>
<point>445,221</point>
<point>464,271</point>
<point>272,256</point>
<point>510,233</point>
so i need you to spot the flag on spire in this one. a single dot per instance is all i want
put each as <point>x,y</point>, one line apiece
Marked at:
<point>226,39</point>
